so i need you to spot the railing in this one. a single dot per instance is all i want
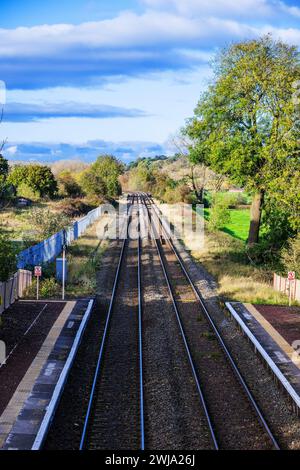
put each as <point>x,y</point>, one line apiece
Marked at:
<point>47,250</point>
<point>14,288</point>
<point>281,284</point>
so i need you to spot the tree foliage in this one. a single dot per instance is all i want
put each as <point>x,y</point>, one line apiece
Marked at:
<point>37,177</point>
<point>245,125</point>
<point>67,185</point>
<point>102,177</point>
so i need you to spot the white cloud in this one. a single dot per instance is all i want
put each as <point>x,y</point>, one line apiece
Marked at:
<point>249,9</point>
<point>132,44</point>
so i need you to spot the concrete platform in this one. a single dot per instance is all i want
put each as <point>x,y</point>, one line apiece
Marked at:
<point>278,354</point>
<point>26,419</point>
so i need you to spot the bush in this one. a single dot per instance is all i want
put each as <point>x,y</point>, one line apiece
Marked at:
<point>290,256</point>
<point>8,261</point>
<point>26,191</point>
<point>74,207</point>
<point>45,223</point>
<point>68,186</point>
<point>219,214</point>
<point>48,288</point>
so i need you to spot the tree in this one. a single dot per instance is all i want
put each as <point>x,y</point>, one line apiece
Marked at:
<point>108,168</point>
<point>37,177</point>
<point>102,177</point>
<point>67,185</point>
<point>93,184</point>
<point>244,125</point>
<point>3,173</point>
<point>196,162</point>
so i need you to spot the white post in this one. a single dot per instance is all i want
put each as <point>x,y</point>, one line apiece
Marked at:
<point>63,273</point>
<point>290,292</point>
<point>37,287</point>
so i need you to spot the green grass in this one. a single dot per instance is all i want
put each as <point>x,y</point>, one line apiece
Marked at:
<point>239,223</point>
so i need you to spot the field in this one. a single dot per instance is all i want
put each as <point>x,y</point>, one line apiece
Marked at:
<point>239,223</point>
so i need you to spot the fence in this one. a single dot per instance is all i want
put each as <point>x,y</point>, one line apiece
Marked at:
<point>47,250</point>
<point>12,289</point>
<point>281,284</point>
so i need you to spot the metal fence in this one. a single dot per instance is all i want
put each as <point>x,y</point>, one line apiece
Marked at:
<point>281,284</point>
<point>47,250</point>
<point>14,288</point>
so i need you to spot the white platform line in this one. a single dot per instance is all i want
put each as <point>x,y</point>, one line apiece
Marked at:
<point>265,355</point>
<point>44,427</point>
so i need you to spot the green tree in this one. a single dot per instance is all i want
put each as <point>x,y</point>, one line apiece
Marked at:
<point>37,177</point>
<point>93,184</point>
<point>3,174</point>
<point>244,125</point>
<point>102,177</point>
<point>109,168</point>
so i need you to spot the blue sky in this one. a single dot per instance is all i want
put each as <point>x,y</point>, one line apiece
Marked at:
<point>85,76</point>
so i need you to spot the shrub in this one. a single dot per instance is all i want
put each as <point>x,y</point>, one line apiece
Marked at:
<point>26,191</point>
<point>74,207</point>
<point>68,186</point>
<point>45,223</point>
<point>48,288</point>
<point>290,256</point>
<point>219,214</point>
<point>8,262</point>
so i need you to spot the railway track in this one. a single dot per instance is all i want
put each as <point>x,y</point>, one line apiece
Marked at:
<point>114,415</point>
<point>175,272</point>
<point>127,408</point>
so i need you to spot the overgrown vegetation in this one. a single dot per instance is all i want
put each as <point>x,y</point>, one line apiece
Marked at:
<point>7,258</point>
<point>45,223</point>
<point>84,258</point>
<point>237,278</point>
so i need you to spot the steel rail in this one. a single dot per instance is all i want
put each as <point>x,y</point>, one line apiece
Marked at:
<point>100,356</point>
<point>217,333</point>
<point>142,424</point>
<point>195,375</point>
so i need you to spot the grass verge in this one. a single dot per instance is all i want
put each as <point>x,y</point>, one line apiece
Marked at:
<point>238,280</point>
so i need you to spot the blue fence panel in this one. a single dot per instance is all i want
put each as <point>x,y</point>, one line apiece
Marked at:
<point>47,250</point>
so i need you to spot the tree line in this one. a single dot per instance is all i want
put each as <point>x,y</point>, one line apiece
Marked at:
<point>35,181</point>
